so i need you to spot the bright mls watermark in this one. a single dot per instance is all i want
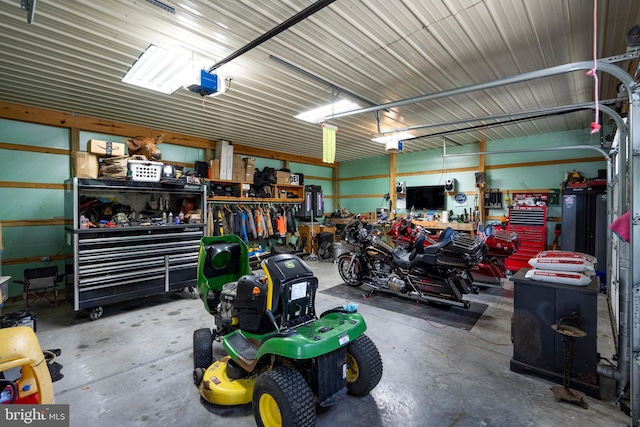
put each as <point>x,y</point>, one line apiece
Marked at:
<point>34,415</point>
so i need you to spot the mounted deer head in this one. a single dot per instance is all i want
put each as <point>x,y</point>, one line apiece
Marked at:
<point>145,146</point>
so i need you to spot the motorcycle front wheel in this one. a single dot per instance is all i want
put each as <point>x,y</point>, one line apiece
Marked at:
<point>348,271</point>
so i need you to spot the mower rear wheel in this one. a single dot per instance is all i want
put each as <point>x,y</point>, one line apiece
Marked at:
<point>364,366</point>
<point>281,397</point>
<point>202,348</point>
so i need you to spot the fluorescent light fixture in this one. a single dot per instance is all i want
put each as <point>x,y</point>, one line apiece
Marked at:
<point>392,137</point>
<point>160,69</point>
<point>318,114</point>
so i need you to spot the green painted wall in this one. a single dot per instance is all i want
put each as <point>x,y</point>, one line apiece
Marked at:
<point>439,168</point>
<point>20,204</point>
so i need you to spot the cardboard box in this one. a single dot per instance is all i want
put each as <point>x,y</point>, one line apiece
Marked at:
<point>249,162</point>
<point>283,178</point>
<point>214,169</point>
<point>248,177</point>
<point>85,165</point>
<point>238,168</point>
<point>224,152</point>
<point>106,148</point>
<point>237,160</point>
<point>237,176</point>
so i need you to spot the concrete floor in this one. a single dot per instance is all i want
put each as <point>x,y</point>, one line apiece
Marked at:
<point>133,367</point>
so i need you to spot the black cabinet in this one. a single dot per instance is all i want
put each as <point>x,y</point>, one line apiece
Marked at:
<point>584,222</point>
<point>537,348</point>
<point>110,265</point>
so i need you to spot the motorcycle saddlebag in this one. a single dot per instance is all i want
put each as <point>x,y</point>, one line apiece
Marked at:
<point>251,303</point>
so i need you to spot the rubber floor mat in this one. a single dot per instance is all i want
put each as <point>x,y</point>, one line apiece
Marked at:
<point>447,315</point>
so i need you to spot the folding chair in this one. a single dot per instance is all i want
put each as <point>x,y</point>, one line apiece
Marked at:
<point>39,284</point>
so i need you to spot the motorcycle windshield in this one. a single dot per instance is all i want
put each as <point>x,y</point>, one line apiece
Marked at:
<point>384,246</point>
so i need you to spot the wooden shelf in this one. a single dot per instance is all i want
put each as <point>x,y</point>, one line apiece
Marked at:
<point>297,190</point>
<point>232,199</point>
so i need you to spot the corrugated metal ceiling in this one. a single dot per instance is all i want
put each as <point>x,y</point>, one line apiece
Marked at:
<point>75,53</point>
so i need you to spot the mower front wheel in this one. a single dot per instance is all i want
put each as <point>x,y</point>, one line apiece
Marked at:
<point>364,366</point>
<point>202,348</point>
<point>281,397</point>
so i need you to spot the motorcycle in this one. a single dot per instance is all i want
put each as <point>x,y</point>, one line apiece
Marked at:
<point>501,244</point>
<point>490,270</point>
<point>436,273</point>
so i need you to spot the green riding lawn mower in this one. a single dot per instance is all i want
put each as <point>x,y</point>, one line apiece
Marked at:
<point>282,357</point>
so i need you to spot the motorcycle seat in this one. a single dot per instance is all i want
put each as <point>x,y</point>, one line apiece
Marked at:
<point>403,259</point>
<point>432,249</point>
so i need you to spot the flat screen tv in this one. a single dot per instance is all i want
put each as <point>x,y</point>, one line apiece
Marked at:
<point>426,198</point>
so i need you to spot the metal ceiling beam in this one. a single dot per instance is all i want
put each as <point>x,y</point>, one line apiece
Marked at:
<point>300,16</point>
<point>523,114</point>
<point>614,70</point>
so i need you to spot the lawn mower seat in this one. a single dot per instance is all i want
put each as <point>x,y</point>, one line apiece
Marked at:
<point>294,290</point>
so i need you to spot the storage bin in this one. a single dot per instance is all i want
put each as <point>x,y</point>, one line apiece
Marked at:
<point>145,171</point>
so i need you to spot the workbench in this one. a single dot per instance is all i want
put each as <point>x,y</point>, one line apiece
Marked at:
<point>469,227</point>
<point>305,234</point>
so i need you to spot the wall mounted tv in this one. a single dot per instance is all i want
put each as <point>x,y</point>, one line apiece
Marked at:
<point>426,197</point>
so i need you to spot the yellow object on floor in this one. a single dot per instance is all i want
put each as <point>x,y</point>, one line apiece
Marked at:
<point>20,348</point>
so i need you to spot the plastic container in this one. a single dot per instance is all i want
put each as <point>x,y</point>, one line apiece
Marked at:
<point>84,222</point>
<point>145,171</point>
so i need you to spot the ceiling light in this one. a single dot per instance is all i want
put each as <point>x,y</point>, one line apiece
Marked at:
<point>160,69</point>
<point>393,137</point>
<point>318,115</point>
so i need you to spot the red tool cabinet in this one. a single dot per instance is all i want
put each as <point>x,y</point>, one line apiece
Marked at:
<point>530,222</point>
